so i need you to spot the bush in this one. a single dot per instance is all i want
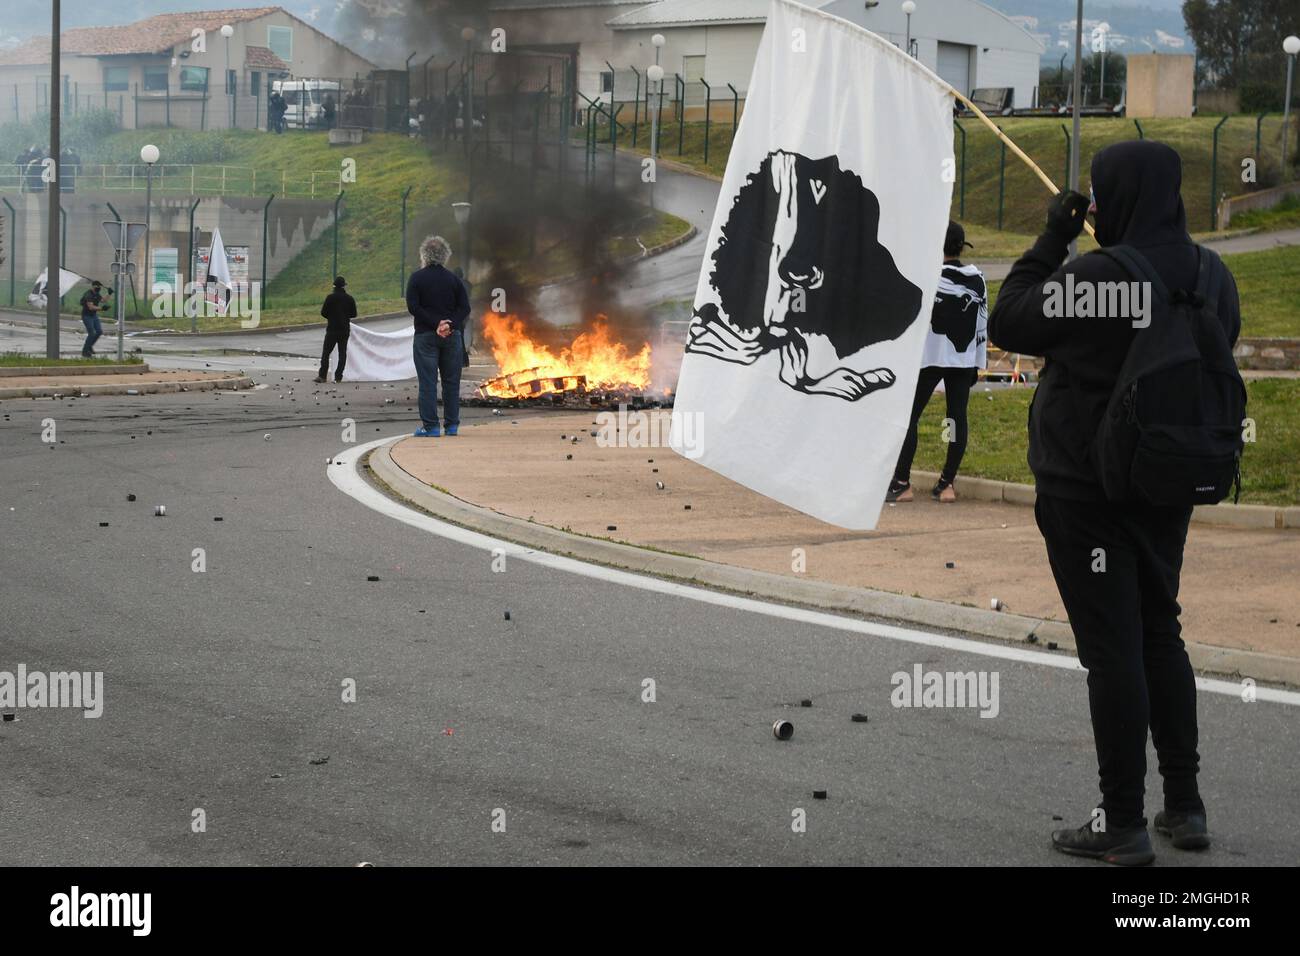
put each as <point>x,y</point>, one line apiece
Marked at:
<point>1261,98</point>
<point>82,132</point>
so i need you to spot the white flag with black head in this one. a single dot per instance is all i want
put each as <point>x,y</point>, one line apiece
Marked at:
<point>802,357</point>
<point>217,284</point>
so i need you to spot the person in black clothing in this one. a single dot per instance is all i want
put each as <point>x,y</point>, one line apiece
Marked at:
<point>1116,565</point>
<point>328,110</point>
<point>439,305</point>
<point>338,312</point>
<point>91,303</point>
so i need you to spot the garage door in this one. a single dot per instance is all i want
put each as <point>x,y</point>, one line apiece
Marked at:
<point>954,65</point>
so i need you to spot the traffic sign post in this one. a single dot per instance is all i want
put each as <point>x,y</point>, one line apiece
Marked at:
<point>123,236</point>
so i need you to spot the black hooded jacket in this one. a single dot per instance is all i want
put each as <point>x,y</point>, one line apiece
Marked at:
<point>1136,188</point>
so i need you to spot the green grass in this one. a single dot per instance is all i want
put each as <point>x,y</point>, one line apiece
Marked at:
<point>1268,283</point>
<point>19,360</point>
<point>1285,215</point>
<point>998,442</point>
<point>370,233</point>
<point>1024,196</point>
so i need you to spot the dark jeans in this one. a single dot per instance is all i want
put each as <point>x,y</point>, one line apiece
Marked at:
<point>334,337</point>
<point>436,356</point>
<point>956,387</point>
<point>93,331</point>
<point>1125,622</point>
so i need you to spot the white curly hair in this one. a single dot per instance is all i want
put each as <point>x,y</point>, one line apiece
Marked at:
<point>434,249</point>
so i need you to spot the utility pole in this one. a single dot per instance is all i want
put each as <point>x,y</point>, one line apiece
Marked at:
<point>1078,85</point>
<point>52,257</point>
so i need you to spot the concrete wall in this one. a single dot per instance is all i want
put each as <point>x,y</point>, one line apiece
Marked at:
<point>292,224</point>
<point>1160,84</point>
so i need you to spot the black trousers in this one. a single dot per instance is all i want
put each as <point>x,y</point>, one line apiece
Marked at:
<point>334,337</point>
<point>1125,621</point>
<point>956,389</point>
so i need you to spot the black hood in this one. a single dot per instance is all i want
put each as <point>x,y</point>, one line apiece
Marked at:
<point>1136,185</point>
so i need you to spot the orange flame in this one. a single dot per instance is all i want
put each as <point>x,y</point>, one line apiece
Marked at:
<point>605,363</point>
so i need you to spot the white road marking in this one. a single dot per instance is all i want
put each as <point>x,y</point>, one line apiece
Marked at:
<point>343,473</point>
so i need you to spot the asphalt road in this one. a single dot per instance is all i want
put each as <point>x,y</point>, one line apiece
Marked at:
<point>223,689</point>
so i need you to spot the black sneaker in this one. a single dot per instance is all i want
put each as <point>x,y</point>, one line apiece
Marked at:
<point>1123,846</point>
<point>319,379</point>
<point>899,491</point>
<point>1186,830</point>
<point>943,491</point>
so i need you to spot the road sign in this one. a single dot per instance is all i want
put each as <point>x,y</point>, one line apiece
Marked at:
<point>124,235</point>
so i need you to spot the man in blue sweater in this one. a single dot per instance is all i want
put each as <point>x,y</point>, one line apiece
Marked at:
<point>438,303</point>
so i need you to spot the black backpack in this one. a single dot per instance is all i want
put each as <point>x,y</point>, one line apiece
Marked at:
<point>1172,432</point>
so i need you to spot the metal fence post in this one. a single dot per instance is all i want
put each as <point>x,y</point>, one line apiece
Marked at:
<point>961,207</point>
<point>266,216</point>
<point>1142,134</point>
<point>1067,153</point>
<point>1214,172</point>
<point>1002,179</point>
<point>636,109</point>
<point>613,156</point>
<point>402,270</point>
<point>735,110</point>
<point>708,118</point>
<point>1259,122</point>
<point>13,238</point>
<point>681,113</point>
<point>189,268</point>
<point>338,199</point>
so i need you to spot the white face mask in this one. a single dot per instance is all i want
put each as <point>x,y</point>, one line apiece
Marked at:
<point>1092,202</point>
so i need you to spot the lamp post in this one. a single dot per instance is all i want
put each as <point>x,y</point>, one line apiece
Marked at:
<point>228,31</point>
<point>1078,83</point>
<point>655,75</point>
<point>52,258</point>
<point>467,34</point>
<point>461,211</point>
<point>909,8</point>
<point>1290,46</point>
<point>148,155</point>
<point>1099,45</point>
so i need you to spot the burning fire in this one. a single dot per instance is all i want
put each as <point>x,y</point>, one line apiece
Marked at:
<point>593,361</point>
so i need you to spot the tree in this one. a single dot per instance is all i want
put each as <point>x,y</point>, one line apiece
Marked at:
<point>1239,43</point>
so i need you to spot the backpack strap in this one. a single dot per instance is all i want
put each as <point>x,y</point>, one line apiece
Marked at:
<point>1209,276</point>
<point>1137,266</point>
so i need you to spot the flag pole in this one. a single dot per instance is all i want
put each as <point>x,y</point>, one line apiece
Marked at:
<point>1047,180</point>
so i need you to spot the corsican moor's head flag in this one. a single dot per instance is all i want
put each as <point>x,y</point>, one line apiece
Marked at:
<point>218,274</point>
<point>825,251</point>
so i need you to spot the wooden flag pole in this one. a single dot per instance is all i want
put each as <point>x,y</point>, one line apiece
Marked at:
<point>1047,180</point>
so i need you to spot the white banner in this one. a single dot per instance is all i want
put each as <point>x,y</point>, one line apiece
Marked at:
<point>379,356</point>
<point>815,292</point>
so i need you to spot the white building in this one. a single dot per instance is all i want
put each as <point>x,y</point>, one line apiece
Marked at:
<point>715,41</point>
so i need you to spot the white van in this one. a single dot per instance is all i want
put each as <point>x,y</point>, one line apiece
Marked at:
<point>305,99</point>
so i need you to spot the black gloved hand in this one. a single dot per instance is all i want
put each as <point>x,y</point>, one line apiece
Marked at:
<point>1065,214</point>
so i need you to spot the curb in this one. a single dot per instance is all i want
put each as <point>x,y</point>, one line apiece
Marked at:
<point>51,371</point>
<point>897,608</point>
<point>141,388</point>
<point>1273,517</point>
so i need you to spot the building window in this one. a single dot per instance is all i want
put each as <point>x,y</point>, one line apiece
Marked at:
<point>231,82</point>
<point>155,79</point>
<point>280,40</point>
<point>255,84</point>
<point>607,82</point>
<point>194,79</point>
<point>116,78</point>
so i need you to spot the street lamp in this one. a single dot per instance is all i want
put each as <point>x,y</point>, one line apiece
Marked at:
<point>228,31</point>
<point>909,8</point>
<point>655,74</point>
<point>461,212</point>
<point>1290,46</point>
<point>148,155</point>
<point>467,34</point>
<point>1099,44</point>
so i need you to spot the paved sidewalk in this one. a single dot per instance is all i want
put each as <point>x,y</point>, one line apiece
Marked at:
<point>1238,585</point>
<point>121,383</point>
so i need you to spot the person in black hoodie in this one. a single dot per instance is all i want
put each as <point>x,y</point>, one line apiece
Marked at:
<point>1116,565</point>
<point>338,312</point>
